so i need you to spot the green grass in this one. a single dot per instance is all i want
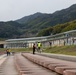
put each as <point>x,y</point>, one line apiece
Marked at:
<point>22,49</point>
<point>17,49</point>
<point>67,50</point>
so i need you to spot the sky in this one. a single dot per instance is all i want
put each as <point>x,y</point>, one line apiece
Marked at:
<point>16,9</point>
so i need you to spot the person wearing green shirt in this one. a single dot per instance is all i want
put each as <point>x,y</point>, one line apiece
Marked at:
<point>39,46</point>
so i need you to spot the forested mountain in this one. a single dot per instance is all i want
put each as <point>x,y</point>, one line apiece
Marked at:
<point>29,18</point>
<point>40,24</point>
<point>61,16</point>
<point>9,29</point>
<point>39,21</point>
<point>59,28</point>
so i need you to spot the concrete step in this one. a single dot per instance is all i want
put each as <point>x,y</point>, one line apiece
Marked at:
<point>25,67</point>
<point>56,65</point>
<point>70,72</point>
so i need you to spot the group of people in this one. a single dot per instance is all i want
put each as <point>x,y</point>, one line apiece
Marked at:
<point>8,52</point>
<point>38,47</point>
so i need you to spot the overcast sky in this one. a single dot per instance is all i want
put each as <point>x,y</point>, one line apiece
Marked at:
<point>16,9</point>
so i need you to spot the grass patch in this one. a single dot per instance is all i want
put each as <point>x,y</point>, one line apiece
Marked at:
<point>67,50</point>
<point>22,49</point>
<point>17,49</point>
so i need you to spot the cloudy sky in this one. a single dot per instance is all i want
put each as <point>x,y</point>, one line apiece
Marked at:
<point>16,9</point>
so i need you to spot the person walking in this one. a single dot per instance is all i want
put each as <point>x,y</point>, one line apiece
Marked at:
<point>34,47</point>
<point>50,43</point>
<point>8,51</point>
<point>39,46</point>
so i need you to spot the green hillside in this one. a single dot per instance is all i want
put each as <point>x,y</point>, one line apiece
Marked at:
<point>58,28</point>
<point>38,21</point>
<point>9,29</point>
<point>40,24</point>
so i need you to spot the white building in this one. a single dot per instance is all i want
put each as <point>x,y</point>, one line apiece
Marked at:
<point>65,38</point>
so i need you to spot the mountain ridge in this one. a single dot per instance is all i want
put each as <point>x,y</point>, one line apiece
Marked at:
<point>31,25</point>
<point>45,20</point>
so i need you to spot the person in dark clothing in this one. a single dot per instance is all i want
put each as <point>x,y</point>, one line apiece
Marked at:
<point>34,47</point>
<point>50,44</point>
<point>7,52</point>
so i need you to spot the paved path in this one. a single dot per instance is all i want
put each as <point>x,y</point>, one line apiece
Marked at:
<point>2,56</point>
<point>8,67</point>
<point>2,59</point>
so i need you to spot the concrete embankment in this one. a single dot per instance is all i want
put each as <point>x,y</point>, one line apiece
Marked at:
<point>60,66</point>
<point>59,56</point>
